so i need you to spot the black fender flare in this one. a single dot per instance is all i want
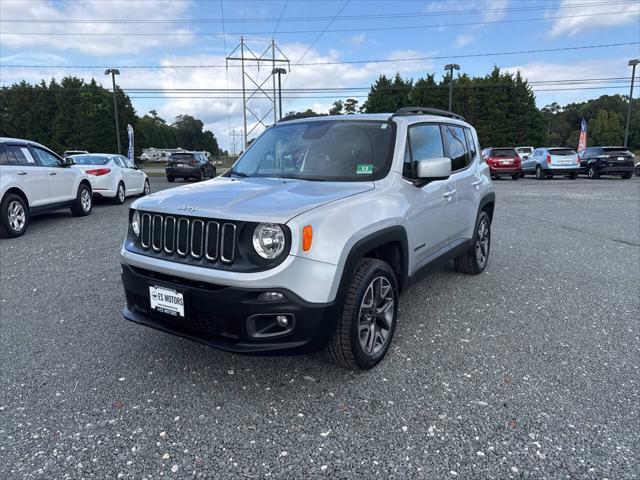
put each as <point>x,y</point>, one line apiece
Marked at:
<point>488,199</point>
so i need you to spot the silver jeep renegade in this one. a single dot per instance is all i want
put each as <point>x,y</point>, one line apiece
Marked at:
<point>307,242</point>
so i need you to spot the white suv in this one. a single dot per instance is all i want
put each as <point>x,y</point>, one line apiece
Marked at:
<point>33,180</point>
<point>307,242</point>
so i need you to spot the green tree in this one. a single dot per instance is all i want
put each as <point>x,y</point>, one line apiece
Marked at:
<point>607,128</point>
<point>336,108</point>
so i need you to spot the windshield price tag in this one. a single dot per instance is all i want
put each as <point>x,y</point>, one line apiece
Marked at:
<point>364,168</point>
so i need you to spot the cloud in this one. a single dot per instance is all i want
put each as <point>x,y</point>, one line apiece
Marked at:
<point>94,11</point>
<point>622,14</point>
<point>463,40</point>
<point>357,39</point>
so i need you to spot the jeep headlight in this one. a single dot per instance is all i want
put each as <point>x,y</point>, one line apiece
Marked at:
<point>268,240</point>
<point>135,223</point>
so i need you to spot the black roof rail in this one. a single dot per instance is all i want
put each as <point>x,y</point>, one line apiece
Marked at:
<point>426,111</point>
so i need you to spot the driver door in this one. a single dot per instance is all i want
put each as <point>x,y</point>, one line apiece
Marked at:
<point>432,207</point>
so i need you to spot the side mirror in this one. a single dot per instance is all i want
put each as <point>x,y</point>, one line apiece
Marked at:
<point>434,169</point>
<point>525,157</point>
<point>137,166</point>
<point>68,161</point>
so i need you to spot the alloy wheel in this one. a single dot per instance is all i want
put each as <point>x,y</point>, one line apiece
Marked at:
<point>17,216</point>
<point>121,194</point>
<point>482,243</point>
<point>147,188</point>
<point>85,200</point>
<point>376,315</point>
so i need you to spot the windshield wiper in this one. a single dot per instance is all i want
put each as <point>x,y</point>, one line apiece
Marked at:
<point>239,174</point>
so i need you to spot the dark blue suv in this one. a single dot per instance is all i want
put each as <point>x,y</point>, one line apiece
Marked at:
<point>596,161</point>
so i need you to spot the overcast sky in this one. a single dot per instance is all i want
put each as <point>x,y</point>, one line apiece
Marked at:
<point>81,37</point>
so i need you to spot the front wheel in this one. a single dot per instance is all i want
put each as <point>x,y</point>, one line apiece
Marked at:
<point>592,172</point>
<point>15,216</point>
<point>84,202</point>
<point>474,260</point>
<point>369,314</point>
<point>539,173</point>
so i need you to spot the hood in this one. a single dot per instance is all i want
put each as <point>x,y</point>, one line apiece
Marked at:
<point>249,199</point>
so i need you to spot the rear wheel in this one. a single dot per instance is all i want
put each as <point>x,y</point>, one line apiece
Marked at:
<point>84,202</point>
<point>515,176</point>
<point>170,179</point>
<point>368,321</point>
<point>146,190</point>
<point>474,260</point>
<point>592,172</point>
<point>121,194</point>
<point>573,176</point>
<point>15,216</point>
<point>627,176</point>
<point>539,173</point>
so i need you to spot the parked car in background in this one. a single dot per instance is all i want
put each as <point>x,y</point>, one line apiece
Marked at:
<point>524,152</point>
<point>189,165</point>
<point>503,162</point>
<point>68,153</point>
<point>637,169</point>
<point>113,176</point>
<point>596,161</point>
<point>33,180</point>
<point>546,162</point>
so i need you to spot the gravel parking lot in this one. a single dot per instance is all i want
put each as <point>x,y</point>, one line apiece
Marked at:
<point>531,370</point>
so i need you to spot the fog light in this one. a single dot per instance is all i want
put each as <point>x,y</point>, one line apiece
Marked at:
<point>270,297</point>
<point>282,321</point>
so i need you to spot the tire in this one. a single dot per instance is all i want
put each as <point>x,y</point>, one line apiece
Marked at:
<point>627,176</point>
<point>202,176</point>
<point>573,176</point>
<point>84,201</point>
<point>121,194</point>
<point>474,260</point>
<point>515,176</point>
<point>353,346</point>
<point>592,172</point>
<point>550,176</point>
<point>522,174</point>
<point>15,216</point>
<point>146,190</point>
<point>170,179</point>
<point>214,174</point>
<point>637,170</point>
<point>539,173</point>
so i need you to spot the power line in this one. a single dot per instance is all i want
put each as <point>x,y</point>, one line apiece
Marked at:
<point>284,5</point>
<point>320,32</point>
<point>384,16</point>
<point>344,62</point>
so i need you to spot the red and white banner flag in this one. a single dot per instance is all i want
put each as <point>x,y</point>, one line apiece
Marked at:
<point>582,143</point>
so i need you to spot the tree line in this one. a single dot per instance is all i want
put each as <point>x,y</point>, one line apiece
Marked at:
<point>502,108</point>
<point>73,114</point>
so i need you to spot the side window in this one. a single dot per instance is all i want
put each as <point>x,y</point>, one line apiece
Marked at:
<point>457,146</point>
<point>471,144</point>
<point>119,162</point>
<point>46,159</point>
<point>424,142</point>
<point>3,156</point>
<point>126,162</point>
<point>19,155</point>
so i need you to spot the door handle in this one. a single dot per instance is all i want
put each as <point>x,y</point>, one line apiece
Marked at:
<point>477,182</point>
<point>449,194</point>
<point>52,173</point>
<point>22,173</point>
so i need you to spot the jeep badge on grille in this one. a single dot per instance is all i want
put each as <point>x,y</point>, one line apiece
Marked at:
<point>187,207</point>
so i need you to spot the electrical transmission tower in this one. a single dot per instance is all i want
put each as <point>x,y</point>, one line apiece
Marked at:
<point>257,88</point>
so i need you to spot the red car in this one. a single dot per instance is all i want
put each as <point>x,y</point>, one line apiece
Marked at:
<point>503,162</point>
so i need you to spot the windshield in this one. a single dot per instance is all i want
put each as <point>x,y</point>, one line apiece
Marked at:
<point>504,153</point>
<point>90,160</point>
<point>562,151</point>
<point>525,150</point>
<point>181,156</point>
<point>332,150</point>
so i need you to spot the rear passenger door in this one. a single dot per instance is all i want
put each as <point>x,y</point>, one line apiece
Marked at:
<point>20,168</point>
<point>431,206</point>
<point>461,147</point>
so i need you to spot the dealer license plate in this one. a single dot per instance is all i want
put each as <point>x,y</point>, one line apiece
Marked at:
<point>621,159</point>
<point>181,165</point>
<point>166,300</point>
<point>505,162</point>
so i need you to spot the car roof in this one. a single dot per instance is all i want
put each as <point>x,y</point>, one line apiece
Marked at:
<point>93,154</point>
<point>21,141</point>
<point>379,117</point>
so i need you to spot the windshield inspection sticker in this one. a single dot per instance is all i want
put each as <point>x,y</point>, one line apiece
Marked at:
<point>364,168</point>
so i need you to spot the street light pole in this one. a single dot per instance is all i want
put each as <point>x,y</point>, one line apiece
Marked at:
<point>113,72</point>
<point>451,67</point>
<point>632,64</point>
<point>280,71</point>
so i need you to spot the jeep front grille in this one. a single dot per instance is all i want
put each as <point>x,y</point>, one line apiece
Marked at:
<point>185,238</point>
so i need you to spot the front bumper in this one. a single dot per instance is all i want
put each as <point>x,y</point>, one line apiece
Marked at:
<point>225,317</point>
